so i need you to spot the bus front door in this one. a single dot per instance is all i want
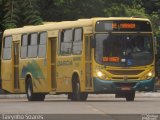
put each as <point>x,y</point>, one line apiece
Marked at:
<point>88,62</point>
<point>16,65</point>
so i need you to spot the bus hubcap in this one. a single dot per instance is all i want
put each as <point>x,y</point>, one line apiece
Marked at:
<point>29,91</point>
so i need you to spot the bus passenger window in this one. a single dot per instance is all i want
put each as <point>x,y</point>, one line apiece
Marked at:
<point>77,43</point>
<point>66,42</point>
<point>42,44</point>
<point>24,46</point>
<point>7,48</point>
<point>32,46</point>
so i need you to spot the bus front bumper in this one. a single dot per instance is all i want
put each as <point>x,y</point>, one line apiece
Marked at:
<point>110,86</point>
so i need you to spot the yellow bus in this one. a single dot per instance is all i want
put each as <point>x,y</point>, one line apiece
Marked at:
<point>157,63</point>
<point>1,34</point>
<point>112,55</point>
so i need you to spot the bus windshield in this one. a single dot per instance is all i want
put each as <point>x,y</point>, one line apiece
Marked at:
<point>124,50</point>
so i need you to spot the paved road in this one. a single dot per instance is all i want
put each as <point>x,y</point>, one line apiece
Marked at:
<point>147,103</point>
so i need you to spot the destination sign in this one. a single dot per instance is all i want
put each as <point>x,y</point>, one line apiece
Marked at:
<point>123,25</point>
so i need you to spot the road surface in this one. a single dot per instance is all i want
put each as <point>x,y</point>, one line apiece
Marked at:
<point>96,105</point>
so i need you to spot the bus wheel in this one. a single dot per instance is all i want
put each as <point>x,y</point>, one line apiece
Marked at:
<point>76,94</point>
<point>40,97</point>
<point>84,96</point>
<point>75,91</point>
<point>130,96</point>
<point>33,96</point>
<point>69,95</point>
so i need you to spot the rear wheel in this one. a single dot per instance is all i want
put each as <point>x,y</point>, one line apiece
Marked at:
<point>77,95</point>
<point>130,96</point>
<point>33,96</point>
<point>84,96</point>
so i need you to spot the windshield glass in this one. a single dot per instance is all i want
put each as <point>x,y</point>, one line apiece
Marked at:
<point>124,50</point>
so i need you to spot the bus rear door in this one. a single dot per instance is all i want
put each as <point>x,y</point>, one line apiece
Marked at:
<point>53,63</point>
<point>16,65</point>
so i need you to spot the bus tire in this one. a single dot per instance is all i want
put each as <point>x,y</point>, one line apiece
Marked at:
<point>77,95</point>
<point>75,91</point>
<point>33,96</point>
<point>40,97</point>
<point>29,90</point>
<point>130,96</point>
<point>84,96</point>
<point>69,95</point>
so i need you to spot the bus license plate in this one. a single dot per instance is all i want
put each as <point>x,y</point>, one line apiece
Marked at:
<point>125,88</point>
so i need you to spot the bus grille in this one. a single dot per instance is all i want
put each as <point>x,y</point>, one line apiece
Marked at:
<point>122,78</point>
<point>125,72</point>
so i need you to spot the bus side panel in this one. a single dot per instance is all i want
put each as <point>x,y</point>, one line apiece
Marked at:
<point>0,58</point>
<point>64,74</point>
<point>37,69</point>
<point>78,68</point>
<point>7,75</point>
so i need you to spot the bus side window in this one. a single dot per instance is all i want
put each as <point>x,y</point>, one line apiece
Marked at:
<point>42,44</point>
<point>77,43</point>
<point>32,45</point>
<point>24,42</point>
<point>7,46</point>
<point>66,42</point>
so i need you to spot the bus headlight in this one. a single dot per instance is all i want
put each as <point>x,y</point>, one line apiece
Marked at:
<point>149,75</point>
<point>101,75</point>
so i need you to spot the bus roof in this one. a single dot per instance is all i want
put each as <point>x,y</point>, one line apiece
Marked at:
<point>64,25</point>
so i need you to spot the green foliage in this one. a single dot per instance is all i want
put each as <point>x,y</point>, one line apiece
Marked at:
<point>7,14</point>
<point>27,14</point>
<point>155,18</point>
<point>151,5</point>
<point>58,10</point>
<point>125,10</point>
<point>1,16</point>
<point>152,9</point>
<point>139,12</point>
<point>17,13</point>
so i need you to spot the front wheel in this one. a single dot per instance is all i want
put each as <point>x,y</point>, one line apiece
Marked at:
<point>84,96</point>
<point>33,96</point>
<point>130,96</point>
<point>77,95</point>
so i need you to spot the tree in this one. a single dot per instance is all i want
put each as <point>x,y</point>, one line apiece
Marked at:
<point>7,15</point>
<point>151,6</point>
<point>28,15</point>
<point>155,18</point>
<point>17,13</point>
